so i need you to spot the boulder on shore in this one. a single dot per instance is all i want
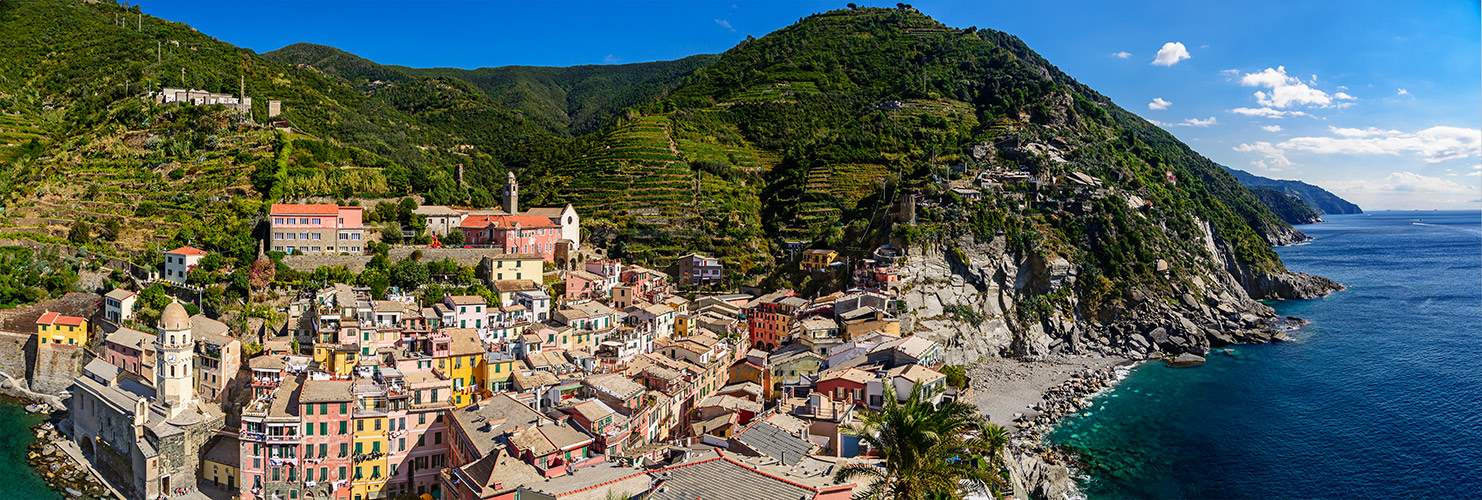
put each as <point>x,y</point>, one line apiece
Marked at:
<point>1187,359</point>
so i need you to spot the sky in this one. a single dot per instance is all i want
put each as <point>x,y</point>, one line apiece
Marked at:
<point>1378,102</point>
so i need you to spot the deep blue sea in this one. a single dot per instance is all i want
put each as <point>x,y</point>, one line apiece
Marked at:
<point>1379,396</point>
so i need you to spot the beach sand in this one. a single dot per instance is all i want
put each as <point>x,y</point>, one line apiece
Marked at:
<point>1003,387</point>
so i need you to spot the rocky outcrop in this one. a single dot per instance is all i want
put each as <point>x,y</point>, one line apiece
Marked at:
<point>1266,285</point>
<point>1291,286</point>
<point>1042,479</point>
<point>968,297</point>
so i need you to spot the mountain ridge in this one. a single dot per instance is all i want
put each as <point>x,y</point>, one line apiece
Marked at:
<point>1321,200</point>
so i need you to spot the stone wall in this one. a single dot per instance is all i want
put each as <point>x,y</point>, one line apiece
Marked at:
<point>55,367</point>
<point>356,263</point>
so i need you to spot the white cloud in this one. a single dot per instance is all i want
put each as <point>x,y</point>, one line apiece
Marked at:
<point>1122,55</point>
<point>1271,128</point>
<point>1229,72</point>
<point>1404,182</point>
<point>1435,144</point>
<point>1171,54</point>
<point>1159,103</point>
<point>1361,132</point>
<point>1195,122</point>
<point>724,24</point>
<point>1402,92</point>
<point>1286,91</point>
<point>1267,112</point>
<point>1272,159</point>
<point>609,59</point>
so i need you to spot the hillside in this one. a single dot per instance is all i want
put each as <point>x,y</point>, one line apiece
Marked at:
<point>1289,207</point>
<point>1317,198</point>
<point>849,129</point>
<point>575,99</point>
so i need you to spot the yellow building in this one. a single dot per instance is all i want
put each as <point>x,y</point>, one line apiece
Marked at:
<point>371,447</point>
<point>818,258</point>
<point>220,463</point>
<point>512,266</point>
<point>464,365</point>
<point>337,358</point>
<point>55,329</point>
<point>499,369</point>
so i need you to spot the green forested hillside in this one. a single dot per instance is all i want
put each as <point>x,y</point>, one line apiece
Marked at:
<point>575,99</point>
<point>814,132</point>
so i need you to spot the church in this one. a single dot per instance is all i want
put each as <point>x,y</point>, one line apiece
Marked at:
<point>146,436</point>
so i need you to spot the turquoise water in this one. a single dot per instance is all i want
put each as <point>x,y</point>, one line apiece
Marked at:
<point>20,480</point>
<point>1378,397</point>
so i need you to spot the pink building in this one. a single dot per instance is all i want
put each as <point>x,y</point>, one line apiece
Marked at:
<point>133,351</point>
<point>316,228</point>
<point>513,233</point>
<point>469,311</point>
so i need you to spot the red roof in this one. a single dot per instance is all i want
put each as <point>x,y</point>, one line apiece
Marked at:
<point>306,209</point>
<point>55,318</point>
<point>187,251</point>
<point>482,221</point>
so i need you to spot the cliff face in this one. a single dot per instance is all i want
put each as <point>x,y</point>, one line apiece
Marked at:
<point>981,299</point>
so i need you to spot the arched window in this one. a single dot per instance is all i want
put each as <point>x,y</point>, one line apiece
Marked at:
<point>172,370</point>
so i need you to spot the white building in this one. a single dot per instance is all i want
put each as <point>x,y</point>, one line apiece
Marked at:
<point>537,302</point>
<point>118,305</point>
<point>180,261</point>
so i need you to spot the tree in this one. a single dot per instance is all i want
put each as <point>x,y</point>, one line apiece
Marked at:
<point>928,452</point>
<point>80,233</point>
<point>956,376</point>
<point>391,233</point>
<point>376,280</point>
<point>404,209</point>
<point>408,274</point>
<point>154,297</point>
<point>454,237</point>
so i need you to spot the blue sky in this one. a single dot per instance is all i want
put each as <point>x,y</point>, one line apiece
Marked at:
<point>1376,101</point>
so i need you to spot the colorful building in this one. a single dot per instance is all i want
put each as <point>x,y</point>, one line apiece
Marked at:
<point>54,328</point>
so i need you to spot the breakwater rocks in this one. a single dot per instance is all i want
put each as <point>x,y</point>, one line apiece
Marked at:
<point>1043,469</point>
<point>60,471</point>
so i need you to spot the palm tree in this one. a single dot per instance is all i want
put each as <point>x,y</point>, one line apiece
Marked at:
<point>928,451</point>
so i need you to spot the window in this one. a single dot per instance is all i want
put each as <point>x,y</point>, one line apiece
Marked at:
<point>378,424</point>
<point>303,236</point>
<point>309,428</point>
<point>277,220</point>
<point>421,418</point>
<point>359,447</point>
<point>316,221</point>
<point>359,425</point>
<point>323,408</point>
<point>323,431</point>
<point>342,412</point>
<point>342,472</point>
<point>342,422</point>
<point>344,452</point>
<point>437,438</point>
<point>323,452</point>
<point>303,220</point>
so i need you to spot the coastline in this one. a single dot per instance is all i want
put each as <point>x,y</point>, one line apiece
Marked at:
<point>1029,398</point>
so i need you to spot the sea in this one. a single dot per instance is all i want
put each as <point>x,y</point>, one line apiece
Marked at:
<point>1379,396</point>
<point>20,480</point>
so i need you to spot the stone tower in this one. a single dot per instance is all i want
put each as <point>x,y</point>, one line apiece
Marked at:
<point>174,352</point>
<point>512,195</point>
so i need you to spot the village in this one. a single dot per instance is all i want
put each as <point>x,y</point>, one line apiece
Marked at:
<point>582,371</point>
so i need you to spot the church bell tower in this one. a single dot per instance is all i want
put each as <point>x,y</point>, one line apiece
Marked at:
<point>174,352</point>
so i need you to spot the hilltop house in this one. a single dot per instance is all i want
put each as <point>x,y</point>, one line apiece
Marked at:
<point>180,261</point>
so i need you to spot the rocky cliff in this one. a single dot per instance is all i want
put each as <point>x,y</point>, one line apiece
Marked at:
<point>980,299</point>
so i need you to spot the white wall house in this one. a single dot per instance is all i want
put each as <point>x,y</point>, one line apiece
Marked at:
<point>180,261</point>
